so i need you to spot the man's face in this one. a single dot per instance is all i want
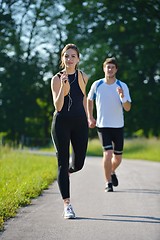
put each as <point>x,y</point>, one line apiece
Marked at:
<point>110,70</point>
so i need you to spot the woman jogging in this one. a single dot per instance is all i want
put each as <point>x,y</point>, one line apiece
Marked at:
<point>69,121</point>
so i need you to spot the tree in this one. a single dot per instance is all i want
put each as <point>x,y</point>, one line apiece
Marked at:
<point>32,36</point>
<point>128,30</point>
<point>29,54</point>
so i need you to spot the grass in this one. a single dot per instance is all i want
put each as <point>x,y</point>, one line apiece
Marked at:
<point>22,177</point>
<point>145,149</point>
<point>140,148</point>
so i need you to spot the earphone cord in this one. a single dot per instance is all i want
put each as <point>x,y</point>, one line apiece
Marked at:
<point>69,95</point>
<point>69,102</point>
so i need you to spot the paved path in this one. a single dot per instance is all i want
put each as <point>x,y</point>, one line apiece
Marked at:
<point>131,212</point>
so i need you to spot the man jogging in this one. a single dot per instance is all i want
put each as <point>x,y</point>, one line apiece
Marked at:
<point>111,97</point>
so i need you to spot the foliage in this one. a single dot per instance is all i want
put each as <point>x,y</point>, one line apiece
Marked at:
<point>23,176</point>
<point>32,36</point>
<point>130,31</point>
<point>27,62</point>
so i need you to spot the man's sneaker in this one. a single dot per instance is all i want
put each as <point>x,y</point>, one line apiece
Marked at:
<point>114,180</point>
<point>68,212</point>
<point>109,187</point>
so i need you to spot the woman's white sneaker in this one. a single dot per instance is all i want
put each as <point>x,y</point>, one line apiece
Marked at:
<point>68,212</point>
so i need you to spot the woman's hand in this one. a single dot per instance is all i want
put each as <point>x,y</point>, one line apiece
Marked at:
<point>64,78</point>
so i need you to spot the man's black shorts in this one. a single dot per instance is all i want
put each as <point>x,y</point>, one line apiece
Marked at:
<point>112,139</point>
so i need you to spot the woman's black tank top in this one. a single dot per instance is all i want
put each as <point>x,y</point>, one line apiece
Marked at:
<point>73,102</point>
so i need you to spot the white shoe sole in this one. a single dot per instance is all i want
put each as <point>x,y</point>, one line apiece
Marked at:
<point>69,217</point>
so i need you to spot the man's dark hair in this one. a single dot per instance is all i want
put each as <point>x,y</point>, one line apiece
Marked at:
<point>110,60</point>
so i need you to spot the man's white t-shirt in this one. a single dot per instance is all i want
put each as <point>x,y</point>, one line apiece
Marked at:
<point>108,103</point>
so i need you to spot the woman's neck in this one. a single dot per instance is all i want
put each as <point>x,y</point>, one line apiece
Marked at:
<point>70,70</point>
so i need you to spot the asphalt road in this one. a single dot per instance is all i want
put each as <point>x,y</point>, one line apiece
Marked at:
<point>131,212</point>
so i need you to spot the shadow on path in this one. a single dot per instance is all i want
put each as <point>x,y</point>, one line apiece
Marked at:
<point>146,191</point>
<point>124,218</point>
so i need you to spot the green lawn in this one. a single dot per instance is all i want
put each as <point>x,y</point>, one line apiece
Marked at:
<point>22,177</point>
<point>145,149</point>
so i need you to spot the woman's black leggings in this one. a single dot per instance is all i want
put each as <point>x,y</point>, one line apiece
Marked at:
<point>66,130</point>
